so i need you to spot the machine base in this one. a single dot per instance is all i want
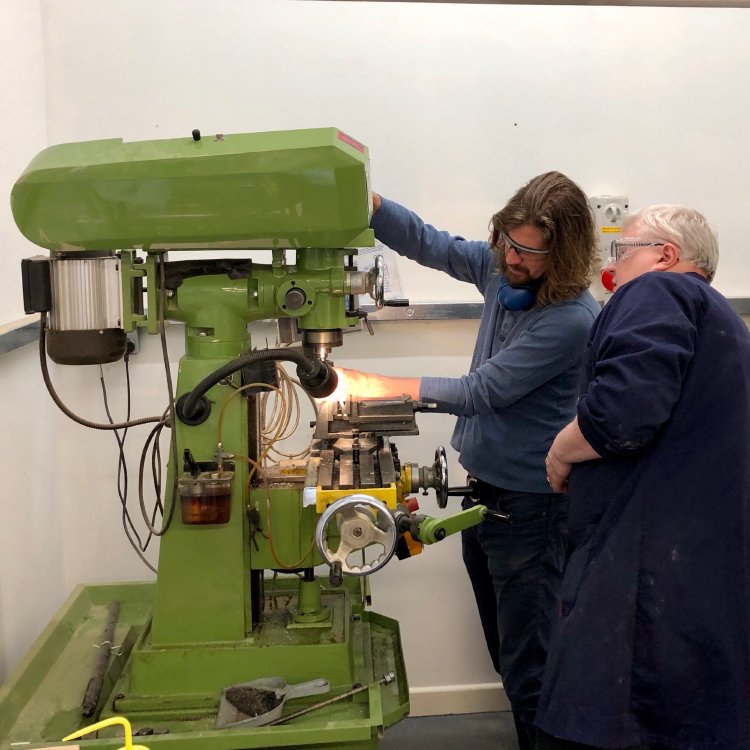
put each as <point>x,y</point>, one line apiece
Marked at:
<point>41,701</point>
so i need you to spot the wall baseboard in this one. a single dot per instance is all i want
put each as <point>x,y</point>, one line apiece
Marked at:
<point>458,699</point>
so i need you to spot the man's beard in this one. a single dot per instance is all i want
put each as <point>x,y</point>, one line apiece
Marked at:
<point>518,276</point>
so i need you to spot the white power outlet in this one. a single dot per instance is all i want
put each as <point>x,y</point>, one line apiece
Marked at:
<point>134,341</point>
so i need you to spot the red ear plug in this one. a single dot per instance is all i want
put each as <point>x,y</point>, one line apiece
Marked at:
<point>608,280</point>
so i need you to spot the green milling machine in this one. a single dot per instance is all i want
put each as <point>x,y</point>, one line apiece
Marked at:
<point>238,595</point>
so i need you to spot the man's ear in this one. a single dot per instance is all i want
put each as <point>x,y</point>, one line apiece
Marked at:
<point>670,257</point>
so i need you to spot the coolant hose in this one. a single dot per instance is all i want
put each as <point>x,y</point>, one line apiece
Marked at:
<point>317,377</point>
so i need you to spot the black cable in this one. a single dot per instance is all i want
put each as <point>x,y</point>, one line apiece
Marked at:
<point>64,409</point>
<point>153,531</point>
<point>156,477</point>
<point>162,423</point>
<point>122,470</point>
<point>122,467</point>
<point>168,373</point>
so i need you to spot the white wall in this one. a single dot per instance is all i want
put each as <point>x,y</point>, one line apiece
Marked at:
<point>458,104</point>
<point>23,119</point>
<point>29,574</point>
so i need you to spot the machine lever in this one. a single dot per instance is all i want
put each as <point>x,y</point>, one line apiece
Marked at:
<point>190,464</point>
<point>471,490</point>
<point>497,516</point>
<point>362,315</point>
<point>462,491</point>
<point>336,576</point>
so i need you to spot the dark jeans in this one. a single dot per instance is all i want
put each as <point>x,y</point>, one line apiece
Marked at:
<point>516,571</point>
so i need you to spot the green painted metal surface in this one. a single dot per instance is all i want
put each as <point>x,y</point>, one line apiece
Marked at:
<point>40,702</point>
<point>295,188</point>
<point>433,530</point>
<point>216,309</point>
<point>203,587</point>
<point>192,633</point>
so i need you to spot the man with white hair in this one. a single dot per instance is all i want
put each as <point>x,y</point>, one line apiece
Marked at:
<point>652,645</point>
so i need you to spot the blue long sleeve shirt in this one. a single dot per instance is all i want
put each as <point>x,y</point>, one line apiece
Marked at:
<point>522,384</point>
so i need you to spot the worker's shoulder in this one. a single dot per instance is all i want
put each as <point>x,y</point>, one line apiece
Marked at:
<point>647,282</point>
<point>691,289</point>
<point>567,322</point>
<point>583,307</point>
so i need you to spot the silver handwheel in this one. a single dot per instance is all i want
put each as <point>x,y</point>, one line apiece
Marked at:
<point>362,522</point>
<point>377,278</point>
<point>440,474</point>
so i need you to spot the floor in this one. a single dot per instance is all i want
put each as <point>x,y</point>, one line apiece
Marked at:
<point>455,732</point>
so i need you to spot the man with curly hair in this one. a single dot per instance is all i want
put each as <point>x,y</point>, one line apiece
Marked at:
<point>521,388</point>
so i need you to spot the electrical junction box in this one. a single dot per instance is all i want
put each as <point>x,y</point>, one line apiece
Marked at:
<point>610,213</point>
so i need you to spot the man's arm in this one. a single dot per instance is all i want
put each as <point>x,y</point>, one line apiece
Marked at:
<point>403,231</point>
<point>369,385</point>
<point>643,349</point>
<point>568,448</point>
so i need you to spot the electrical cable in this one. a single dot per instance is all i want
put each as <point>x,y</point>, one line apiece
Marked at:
<point>122,467</point>
<point>64,409</point>
<point>139,548</point>
<point>154,434</point>
<point>163,422</point>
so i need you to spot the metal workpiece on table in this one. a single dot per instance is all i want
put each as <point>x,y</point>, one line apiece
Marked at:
<point>376,416</point>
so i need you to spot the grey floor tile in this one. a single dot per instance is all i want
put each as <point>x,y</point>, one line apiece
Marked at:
<point>486,731</point>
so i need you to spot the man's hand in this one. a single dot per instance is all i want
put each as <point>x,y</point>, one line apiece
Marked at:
<point>557,470</point>
<point>375,202</point>
<point>568,448</point>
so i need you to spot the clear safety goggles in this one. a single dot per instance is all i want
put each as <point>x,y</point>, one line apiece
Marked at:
<point>620,249</point>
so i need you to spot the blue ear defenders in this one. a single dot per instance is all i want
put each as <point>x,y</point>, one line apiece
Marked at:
<point>516,298</point>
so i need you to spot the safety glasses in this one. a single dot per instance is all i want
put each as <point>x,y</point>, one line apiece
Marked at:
<point>620,249</point>
<point>505,243</point>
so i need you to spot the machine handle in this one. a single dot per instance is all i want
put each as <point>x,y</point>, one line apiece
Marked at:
<point>470,489</point>
<point>461,491</point>
<point>497,516</point>
<point>336,576</point>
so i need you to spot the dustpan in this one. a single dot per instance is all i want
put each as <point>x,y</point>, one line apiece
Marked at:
<point>261,701</point>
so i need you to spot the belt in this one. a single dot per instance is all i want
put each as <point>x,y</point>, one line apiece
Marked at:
<point>491,496</point>
<point>484,491</point>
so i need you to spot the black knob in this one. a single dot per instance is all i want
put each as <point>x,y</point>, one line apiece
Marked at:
<point>497,516</point>
<point>196,135</point>
<point>336,576</point>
